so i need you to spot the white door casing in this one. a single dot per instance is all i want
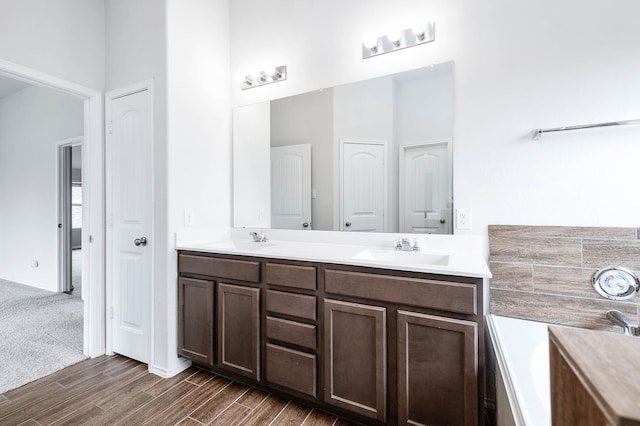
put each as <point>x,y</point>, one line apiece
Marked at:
<point>291,187</point>
<point>363,186</point>
<point>129,151</point>
<point>93,199</point>
<point>424,188</point>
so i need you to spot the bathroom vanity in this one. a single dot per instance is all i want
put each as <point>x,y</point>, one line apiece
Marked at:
<point>390,344</point>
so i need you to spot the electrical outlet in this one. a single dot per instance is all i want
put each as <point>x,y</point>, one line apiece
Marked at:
<point>34,264</point>
<point>463,218</point>
<point>188,217</point>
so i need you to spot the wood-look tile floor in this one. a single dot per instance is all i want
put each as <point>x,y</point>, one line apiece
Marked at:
<point>119,391</point>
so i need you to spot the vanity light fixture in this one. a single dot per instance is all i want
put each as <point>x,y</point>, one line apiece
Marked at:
<point>397,40</point>
<point>267,76</point>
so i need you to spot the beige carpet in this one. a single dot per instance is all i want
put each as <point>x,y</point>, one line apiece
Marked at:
<point>40,333</point>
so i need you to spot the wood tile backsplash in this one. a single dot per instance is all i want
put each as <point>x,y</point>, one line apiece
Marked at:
<point>543,273</point>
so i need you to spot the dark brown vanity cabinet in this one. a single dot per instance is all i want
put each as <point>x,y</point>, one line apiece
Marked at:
<point>435,347</point>
<point>355,346</point>
<point>219,313</point>
<point>382,346</point>
<point>238,322</point>
<point>195,317</point>
<point>437,370</point>
<point>291,328</point>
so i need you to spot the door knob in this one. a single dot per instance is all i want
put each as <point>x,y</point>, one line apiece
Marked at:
<point>348,224</point>
<point>305,225</point>
<point>142,241</point>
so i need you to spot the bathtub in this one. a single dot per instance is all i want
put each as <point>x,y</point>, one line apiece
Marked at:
<point>522,357</point>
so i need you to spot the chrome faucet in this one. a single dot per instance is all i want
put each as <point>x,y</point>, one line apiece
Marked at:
<point>618,318</point>
<point>405,245</point>
<point>259,237</point>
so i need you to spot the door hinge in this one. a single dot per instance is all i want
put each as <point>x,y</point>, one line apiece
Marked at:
<point>110,127</point>
<point>111,312</point>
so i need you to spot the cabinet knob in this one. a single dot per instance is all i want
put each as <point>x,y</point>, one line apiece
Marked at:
<point>305,225</point>
<point>347,224</point>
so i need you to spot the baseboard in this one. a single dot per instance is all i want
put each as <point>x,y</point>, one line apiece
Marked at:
<point>183,364</point>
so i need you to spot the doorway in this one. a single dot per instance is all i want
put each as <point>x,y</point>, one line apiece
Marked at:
<point>291,187</point>
<point>70,216</point>
<point>129,183</point>
<point>93,199</point>
<point>425,195</point>
<point>363,186</point>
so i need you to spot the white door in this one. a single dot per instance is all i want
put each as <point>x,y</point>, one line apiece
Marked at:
<point>129,215</point>
<point>291,187</point>
<point>424,184</point>
<point>363,188</point>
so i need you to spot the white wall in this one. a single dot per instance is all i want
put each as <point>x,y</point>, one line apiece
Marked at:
<point>252,166</point>
<point>308,118</point>
<point>62,38</point>
<point>31,122</point>
<point>424,107</point>
<point>199,132</point>
<point>518,66</point>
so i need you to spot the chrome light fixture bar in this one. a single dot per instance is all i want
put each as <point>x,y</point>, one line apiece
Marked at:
<point>372,46</point>
<point>265,77</point>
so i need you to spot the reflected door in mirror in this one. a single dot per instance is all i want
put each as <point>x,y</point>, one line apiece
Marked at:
<point>363,187</point>
<point>424,189</point>
<point>291,187</point>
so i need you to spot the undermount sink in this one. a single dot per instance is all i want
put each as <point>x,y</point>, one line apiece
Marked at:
<point>402,257</point>
<point>239,245</point>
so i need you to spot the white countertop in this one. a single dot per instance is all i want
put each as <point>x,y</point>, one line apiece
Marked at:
<point>439,254</point>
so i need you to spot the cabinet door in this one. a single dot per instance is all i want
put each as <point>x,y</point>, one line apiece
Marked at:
<point>355,358</point>
<point>437,370</point>
<point>195,320</point>
<point>238,329</point>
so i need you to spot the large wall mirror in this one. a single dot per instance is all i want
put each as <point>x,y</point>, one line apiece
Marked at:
<point>374,155</point>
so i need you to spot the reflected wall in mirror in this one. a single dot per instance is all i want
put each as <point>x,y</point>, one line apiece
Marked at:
<point>374,155</point>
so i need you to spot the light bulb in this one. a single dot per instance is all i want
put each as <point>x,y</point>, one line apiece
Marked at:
<point>270,71</point>
<point>394,36</point>
<point>370,41</point>
<point>419,29</point>
<point>240,77</point>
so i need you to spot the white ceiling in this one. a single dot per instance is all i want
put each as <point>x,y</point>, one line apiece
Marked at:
<point>9,86</point>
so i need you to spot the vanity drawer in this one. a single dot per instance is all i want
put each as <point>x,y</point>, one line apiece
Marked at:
<point>293,332</point>
<point>442,295</point>
<point>297,305</point>
<point>292,369</point>
<point>242,270</point>
<point>291,275</point>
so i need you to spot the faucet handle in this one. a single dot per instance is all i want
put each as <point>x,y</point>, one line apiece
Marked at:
<point>398,245</point>
<point>415,246</point>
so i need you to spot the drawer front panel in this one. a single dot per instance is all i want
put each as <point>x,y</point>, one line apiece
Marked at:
<point>292,369</point>
<point>296,305</point>
<point>242,270</point>
<point>441,295</point>
<point>291,276</point>
<point>292,332</point>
